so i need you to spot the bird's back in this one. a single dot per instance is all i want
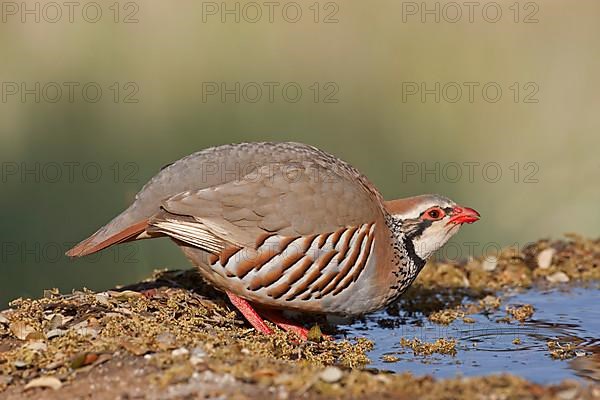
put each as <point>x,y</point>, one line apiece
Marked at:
<point>211,167</point>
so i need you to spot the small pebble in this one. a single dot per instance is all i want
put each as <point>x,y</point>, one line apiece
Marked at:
<point>568,394</point>
<point>87,332</point>
<point>180,352</point>
<point>489,263</point>
<point>165,339</point>
<point>387,358</point>
<point>197,356</point>
<point>21,330</point>
<point>56,321</point>
<point>102,298</point>
<point>124,311</point>
<point>37,346</point>
<point>331,374</point>
<point>44,382</point>
<point>558,277</point>
<point>544,258</point>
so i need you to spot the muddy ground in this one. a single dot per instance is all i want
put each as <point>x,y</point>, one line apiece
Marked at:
<point>173,337</point>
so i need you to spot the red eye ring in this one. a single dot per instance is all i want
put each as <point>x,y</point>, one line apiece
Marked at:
<point>434,214</point>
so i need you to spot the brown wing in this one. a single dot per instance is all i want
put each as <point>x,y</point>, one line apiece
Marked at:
<point>285,199</point>
<point>207,168</point>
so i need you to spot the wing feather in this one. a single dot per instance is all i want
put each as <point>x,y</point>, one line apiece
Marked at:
<point>287,199</point>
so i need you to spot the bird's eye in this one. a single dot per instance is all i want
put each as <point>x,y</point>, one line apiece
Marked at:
<point>434,214</point>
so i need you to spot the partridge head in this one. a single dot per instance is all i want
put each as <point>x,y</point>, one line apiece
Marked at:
<point>428,222</point>
<point>286,226</point>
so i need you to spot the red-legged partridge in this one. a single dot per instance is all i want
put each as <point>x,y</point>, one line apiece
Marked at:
<point>287,226</point>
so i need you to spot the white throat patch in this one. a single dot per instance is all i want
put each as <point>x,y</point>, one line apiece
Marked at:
<point>433,238</point>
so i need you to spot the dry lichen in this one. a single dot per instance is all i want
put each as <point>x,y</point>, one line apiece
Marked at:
<point>61,333</point>
<point>388,358</point>
<point>447,316</point>
<point>440,346</point>
<point>520,313</point>
<point>562,351</point>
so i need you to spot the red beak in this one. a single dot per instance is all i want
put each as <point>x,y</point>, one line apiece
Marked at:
<point>462,215</point>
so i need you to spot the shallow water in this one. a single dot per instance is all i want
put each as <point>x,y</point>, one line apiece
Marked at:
<point>486,346</point>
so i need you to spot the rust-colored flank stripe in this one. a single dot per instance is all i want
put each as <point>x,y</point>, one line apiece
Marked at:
<point>316,278</point>
<point>322,239</point>
<point>308,240</point>
<point>355,252</point>
<point>323,261</point>
<point>246,265</point>
<point>336,237</point>
<point>313,274</point>
<point>268,278</point>
<point>298,271</point>
<point>290,260</point>
<point>279,290</point>
<point>227,253</point>
<point>359,267</point>
<point>262,239</point>
<point>346,243</point>
<point>295,273</point>
<point>285,242</point>
<point>256,283</point>
<point>364,257</point>
<point>348,264</point>
<point>321,283</point>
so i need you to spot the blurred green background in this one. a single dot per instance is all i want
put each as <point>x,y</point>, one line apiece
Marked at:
<point>73,160</point>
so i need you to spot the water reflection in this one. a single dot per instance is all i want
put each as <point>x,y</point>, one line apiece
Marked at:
<point>588,367</point>
<point>567,318</point>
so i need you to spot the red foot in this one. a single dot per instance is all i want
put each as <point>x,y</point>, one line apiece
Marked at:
<point>249,313</point>
<point>285,324</point>
<point>274,316</point>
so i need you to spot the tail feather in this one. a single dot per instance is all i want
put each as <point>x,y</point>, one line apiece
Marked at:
<point>96,242</point>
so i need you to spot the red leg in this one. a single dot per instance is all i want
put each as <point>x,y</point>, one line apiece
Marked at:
<point>256,320</point>
<point>249,313</point>
<point>285,324</point>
